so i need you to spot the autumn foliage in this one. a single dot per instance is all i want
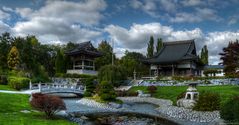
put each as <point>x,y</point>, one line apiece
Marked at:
<point>152,89</point>
<point>47,103</point>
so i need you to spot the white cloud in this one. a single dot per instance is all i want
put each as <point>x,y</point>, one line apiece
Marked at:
<point>151,6</point>
<point>51,29</point>
<point>84,12</point>
<point>148,6</point>
<point>200,14</point>
<point>4,27</point>
<point>192,2</point>
<point>8,9</point>
<point>168,5</point>
<point>62,21</point>
<point>232,21</point>
<point>24,12</point>
<point>4,15</point>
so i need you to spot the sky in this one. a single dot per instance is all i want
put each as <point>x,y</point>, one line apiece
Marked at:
<point>128,23</point>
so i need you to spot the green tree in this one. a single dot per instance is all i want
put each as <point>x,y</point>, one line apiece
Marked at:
<point>5,46</point>
<point>150,49</point>
<point>106,91</point>
<point>132,62</point>
<point>113,74</point>
<point>60,62</point>
<point>105,48</point>
<point>13,58</point>
<point>90,87</point>
<point>159,44</point>
<point>204,55</point>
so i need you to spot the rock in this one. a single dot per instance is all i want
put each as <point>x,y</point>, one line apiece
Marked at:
<point>84,117</point>
<point>25,111</point>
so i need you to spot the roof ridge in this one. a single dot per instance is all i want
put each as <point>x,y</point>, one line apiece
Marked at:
<point>178,42</point>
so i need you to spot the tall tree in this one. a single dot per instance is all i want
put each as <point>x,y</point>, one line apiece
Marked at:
<point>131,62</point>
<point>204,55</point>
<point>60,62</point>
<point>13,58</point>
<point>150,49</point>
<point>5,43</point>
<point>107,51</point>
<point>230,58</point>
<point>159,44</point>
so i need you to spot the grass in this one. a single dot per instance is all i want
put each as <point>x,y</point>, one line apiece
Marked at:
<point>6,87</point>
<point>12,104</point>
<point>171,92</point>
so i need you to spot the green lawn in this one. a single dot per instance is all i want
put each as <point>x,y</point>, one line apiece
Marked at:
<point>171,92</point>
<point>5,87</point>
<point>12,104</point>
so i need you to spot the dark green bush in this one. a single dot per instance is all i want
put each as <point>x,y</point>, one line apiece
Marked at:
<point>208,101</point>
<point>90,87</point>
<point>106,91</point>
<point>230,110</point>
<point>113,74</point>
<point>3,80</point>
<point>18,83</point>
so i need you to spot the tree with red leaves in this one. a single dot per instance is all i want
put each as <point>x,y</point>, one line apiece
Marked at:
<point>230,58</point>
<point>47,103</point>
<point>152,89</point>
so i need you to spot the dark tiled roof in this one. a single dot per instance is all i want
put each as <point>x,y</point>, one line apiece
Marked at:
<point>85,48</point>
<point>214,67</point>
<point>174,51</point>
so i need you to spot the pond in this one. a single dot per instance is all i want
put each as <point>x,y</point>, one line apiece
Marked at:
<point>131,113</point>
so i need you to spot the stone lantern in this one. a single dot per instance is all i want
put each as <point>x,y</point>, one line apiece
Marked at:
<point>192,93</point>
<point>190,97</point>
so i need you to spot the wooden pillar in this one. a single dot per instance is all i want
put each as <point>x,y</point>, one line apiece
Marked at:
<point>172,70</point>
<point>93,65</point>
<point>190,67</point>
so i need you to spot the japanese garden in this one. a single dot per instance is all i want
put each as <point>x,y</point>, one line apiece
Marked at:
<point>87,75</point>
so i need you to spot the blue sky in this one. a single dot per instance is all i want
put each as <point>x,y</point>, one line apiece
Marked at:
<point>129,23</point>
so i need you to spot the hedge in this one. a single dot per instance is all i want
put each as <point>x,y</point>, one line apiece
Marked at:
<point>18,83</point>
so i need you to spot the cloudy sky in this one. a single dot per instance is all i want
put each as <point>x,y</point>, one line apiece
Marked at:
<point>129,23</point>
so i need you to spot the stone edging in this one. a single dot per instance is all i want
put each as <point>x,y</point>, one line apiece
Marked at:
<point>165,109</point>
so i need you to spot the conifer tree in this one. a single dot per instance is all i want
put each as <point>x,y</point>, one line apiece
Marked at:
<point>159,45</point>
<point>204,55</point>
<point>150,49</point>
<point>13,58</point>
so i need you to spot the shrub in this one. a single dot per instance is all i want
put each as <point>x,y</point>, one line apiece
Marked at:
<point>106,91</point>
<point>123,93</point>
<point>90,87</point>
<point>113,74</point>
<point>3,80</point>
<point>47,103</point>
<point>152,89</point>
<point>208,101</point>
<point>18,83</point>
<point>230,110</point>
